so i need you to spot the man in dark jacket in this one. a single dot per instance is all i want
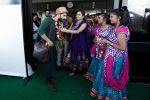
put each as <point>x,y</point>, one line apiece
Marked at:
<point>48,32</point>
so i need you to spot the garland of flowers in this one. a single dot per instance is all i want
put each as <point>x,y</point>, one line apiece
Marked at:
<point>58,26</point>
<point>100,49</point>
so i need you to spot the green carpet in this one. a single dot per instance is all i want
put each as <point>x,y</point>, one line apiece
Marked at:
<point>68,88</point>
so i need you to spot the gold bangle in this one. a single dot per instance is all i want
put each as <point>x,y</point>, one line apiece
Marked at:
<point>111,44</point>
<point>107,42</point>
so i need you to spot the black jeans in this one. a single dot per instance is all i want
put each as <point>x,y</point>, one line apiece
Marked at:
<point>50,64</point>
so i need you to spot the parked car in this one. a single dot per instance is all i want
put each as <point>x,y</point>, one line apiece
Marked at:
<point>139,48</point>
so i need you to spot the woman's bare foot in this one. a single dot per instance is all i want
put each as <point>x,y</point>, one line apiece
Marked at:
<point>71,74</point>
<point>107,98</point>
<point>124,98</point>
<point>100,98</point>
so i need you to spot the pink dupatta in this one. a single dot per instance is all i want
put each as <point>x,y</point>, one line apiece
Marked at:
<point>122,80</point>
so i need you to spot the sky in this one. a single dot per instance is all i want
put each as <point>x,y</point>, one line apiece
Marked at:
<point>6,2</point>
<point>138,6</point>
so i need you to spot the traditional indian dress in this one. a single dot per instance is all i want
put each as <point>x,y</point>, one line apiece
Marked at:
<point>112,77</point>
<point>97,51</point>
<point>76,58</point>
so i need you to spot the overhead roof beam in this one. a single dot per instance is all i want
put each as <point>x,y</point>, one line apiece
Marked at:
<point>45,1</point>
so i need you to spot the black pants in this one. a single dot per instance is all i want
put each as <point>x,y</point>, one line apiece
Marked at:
<point>50,64</point>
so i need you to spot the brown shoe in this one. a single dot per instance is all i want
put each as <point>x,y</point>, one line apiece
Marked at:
<point>51,86</point>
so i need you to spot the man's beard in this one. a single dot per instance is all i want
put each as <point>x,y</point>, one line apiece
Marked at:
<point>60,20</point>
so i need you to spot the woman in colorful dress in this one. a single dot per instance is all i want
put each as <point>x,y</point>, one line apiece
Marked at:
<point>97,50</point>
<point>110,83</point>
<point>76,58</point>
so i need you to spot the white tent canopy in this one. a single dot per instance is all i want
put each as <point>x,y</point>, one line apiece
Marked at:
<point>12,57</point>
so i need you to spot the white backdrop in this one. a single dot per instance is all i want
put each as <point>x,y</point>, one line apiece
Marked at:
<point>12,57</point>
<point>116,3</point>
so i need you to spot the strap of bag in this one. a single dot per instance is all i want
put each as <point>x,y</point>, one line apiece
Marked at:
<point>50,27</point>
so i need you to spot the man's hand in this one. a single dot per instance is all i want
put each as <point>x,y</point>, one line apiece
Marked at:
<point>49,43</point>
<point>63,29</point>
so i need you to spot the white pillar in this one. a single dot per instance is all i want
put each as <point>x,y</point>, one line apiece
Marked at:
<point>116,4</point>
<point>47,6</point>
<point>125,3</point>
